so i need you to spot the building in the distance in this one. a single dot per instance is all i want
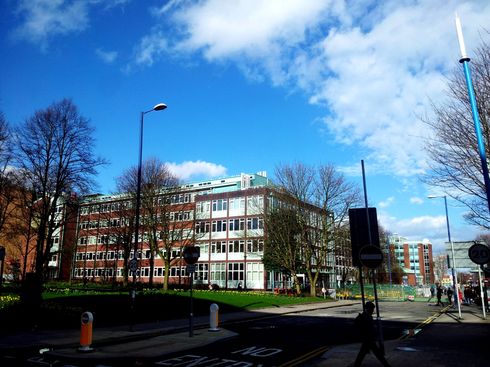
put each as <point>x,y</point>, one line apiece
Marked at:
<point>415,259</point>
<point>224,217</point>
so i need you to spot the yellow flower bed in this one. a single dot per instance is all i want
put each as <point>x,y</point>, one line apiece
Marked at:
<point>7,300</point>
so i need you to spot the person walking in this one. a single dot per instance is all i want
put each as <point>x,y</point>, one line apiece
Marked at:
<point>365,324</point>
<point>450,295</point>
<point>439,295</point>
<point>432,293</point>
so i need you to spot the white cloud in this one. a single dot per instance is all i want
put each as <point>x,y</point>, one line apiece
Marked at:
<point>149,48</point>
<point>373,65</point>
<point>45,18</point>
<point>189,169</point>
<point>386,203</point>
<point>432,227</point>
<point>107,56</point>
<point>416,200</point>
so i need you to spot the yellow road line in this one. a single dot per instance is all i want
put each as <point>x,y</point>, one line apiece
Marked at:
<point>305,357</point>
<point>427,321</point>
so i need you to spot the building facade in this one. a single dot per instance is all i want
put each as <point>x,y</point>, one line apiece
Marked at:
<point>415,258</point>
<point>223,217</point>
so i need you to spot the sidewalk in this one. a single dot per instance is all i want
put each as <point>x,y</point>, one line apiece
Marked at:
<point>443,341</point>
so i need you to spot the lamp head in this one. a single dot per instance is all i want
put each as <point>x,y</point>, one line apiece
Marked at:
<point>159,107</point>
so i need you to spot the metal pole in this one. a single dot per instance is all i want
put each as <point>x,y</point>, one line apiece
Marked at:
<point>476,119</point>
<point>455,287</point>
<point>389,263</point>
<point>380,328</point>
<point>191,314</point>
<point>138,198</point>
<point>481,294</point>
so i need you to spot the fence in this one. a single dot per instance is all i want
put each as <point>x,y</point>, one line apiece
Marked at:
<point>385,292</point>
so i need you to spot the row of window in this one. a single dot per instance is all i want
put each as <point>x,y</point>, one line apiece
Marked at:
<point>219,272</point>
<point>118,255</point>
<point>231,224</point>
<point>233,204</point>
<point>236,246</point>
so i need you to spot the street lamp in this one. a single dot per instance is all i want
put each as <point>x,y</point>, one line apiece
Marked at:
<point>158,107</point>
<point>456,293</point>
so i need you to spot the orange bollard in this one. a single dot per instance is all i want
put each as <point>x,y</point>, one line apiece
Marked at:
<point>86,332</point>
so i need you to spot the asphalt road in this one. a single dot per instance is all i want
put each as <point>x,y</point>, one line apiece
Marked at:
<point>292,340</point>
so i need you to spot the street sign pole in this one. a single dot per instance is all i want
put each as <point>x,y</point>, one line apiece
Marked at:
<point>191,256</point>
<point>481,295</point>
<point>480,254</point>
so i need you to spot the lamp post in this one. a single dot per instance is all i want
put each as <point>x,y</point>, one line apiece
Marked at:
<point>158,107</point>
<point>456,295</point>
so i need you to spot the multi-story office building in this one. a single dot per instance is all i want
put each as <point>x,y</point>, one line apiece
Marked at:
<point>224,217</point>
<point>415,258</point>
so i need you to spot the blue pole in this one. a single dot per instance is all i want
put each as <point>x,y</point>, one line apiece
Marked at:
<point>476,120</point>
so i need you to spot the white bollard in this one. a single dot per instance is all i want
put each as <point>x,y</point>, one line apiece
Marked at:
<point>213,317</point>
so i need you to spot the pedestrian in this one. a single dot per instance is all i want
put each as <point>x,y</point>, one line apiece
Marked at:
<point>432,293</point>
<point>439,295</point>
<point>450,295</point>
<point>365,324</point>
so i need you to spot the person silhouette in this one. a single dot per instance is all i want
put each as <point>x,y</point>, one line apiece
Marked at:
<point>439,295</point>
<point>365,323</point>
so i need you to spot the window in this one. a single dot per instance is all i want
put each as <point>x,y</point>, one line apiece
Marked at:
<point>218,272</point>
<point>177,271</point>
<point>201,272</point>
<point>236,246</point>
<point>236,224</point>
<point>255,223</point>
<point>218,247</point>
<point>255,272</point>
<point>255,246</point>
<point>235,271</point>
<point>202,227</point>
<point>218,226</point>
<point>220,204</point>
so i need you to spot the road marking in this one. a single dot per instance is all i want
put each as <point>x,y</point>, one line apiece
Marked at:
<point>426,322</point>
<point>301,359</point>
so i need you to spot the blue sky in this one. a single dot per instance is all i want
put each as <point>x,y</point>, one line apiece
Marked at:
<point>250,84</point>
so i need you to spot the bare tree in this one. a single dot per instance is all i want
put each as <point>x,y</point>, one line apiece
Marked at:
<point>282,250</point>
<point>321,197</point>
<point>455,165</point>
<point>166,216</point>
<point>54,153</point>
<point>8,186</point>
<point>335,195</point>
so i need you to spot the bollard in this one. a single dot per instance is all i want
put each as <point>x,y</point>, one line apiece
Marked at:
<point>86,332</point>
<point>213,317</point>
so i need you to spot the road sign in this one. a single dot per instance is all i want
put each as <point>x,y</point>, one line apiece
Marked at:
<point>190,268</point>
<point>191,254</point>
<point>479,254</point>
<point>360,232</point>
<point>370,256</point>
<point>133,265</point>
